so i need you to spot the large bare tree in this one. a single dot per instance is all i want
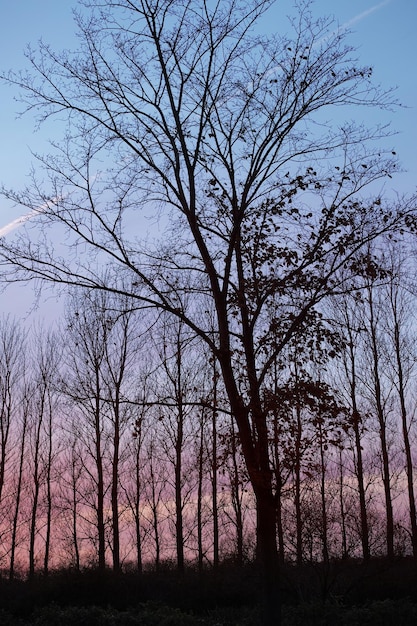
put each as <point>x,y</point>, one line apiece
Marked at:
<point>178,109</point>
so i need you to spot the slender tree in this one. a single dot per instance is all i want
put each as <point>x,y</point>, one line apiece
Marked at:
<point>84,386</point>
<point>119,353</point>
<point>45,360</point>
<point>352,326</point>
<point>12,367</point>
<point>397,329</point>
<point>176,381</point>
<point>379,401</point>
<point>155,492</point>
<point>134,488</point>
<point>23,431</point>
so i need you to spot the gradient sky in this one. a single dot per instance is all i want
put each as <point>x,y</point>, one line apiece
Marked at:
<point>383,33</point>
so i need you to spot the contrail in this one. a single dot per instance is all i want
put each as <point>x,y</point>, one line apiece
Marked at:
<point>17,222</point>
<point>361,16</point>
<point>339,29</point>
<point>355,20</point>
<point>5,230</point>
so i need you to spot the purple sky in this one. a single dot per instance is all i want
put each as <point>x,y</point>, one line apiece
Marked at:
<point>384,33</point>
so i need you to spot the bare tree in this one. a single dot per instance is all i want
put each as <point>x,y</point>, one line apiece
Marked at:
<point>176,384</point>
<point>379,397</point>
<point>349,319</point>
<point>70,493</point>
<point>134,489</point>
<point>22,409</point>
<point>119,354</point>
<point>237,481</point>
<point>398,330</point>
<point>134,485</point>
<point>12,340</point>
<point>45,360</point>
<point>214,127</point>
<point>83,384</point>
<point>154,478</point>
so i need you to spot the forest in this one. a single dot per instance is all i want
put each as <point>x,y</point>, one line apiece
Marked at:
<point>118,447</point>
<point>119,451</point>
<point>232,380</point>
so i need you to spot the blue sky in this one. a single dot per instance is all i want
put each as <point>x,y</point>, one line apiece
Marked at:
<point>383,33</point>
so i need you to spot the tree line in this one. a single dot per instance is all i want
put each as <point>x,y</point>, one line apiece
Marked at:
<point>118,447</point>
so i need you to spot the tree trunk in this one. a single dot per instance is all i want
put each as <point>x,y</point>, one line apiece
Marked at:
<point>406,438</point>
<point>358,447</point>
<point>48,492</point>
<point>74,511</point>
<point>236,498</point>
<point>179,531</point>
<point>342,507</point>
<point>137,505</point>
<point>382,430</point>
<point>297,495</point>
<point>267,555</point>
<point>361,488</point>
<point>200,497</point>
<point>36,485</point>
<point>100,486</point>
<point>324,522</point>
<point>115,485</point>
<point>19,487</point>
<point>154,509</point>
<point>214,472</point>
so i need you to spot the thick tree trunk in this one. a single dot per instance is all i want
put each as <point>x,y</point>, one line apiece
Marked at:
<point>267,555</point>
<point>252,426</point>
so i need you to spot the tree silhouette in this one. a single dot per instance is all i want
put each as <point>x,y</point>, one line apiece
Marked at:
<point>178,110</point>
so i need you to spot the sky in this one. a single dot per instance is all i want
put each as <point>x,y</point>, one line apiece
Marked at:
<point>383,33</point>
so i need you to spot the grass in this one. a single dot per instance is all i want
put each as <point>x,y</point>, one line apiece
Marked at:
<point>347,594</point>
<point>380,613</point>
